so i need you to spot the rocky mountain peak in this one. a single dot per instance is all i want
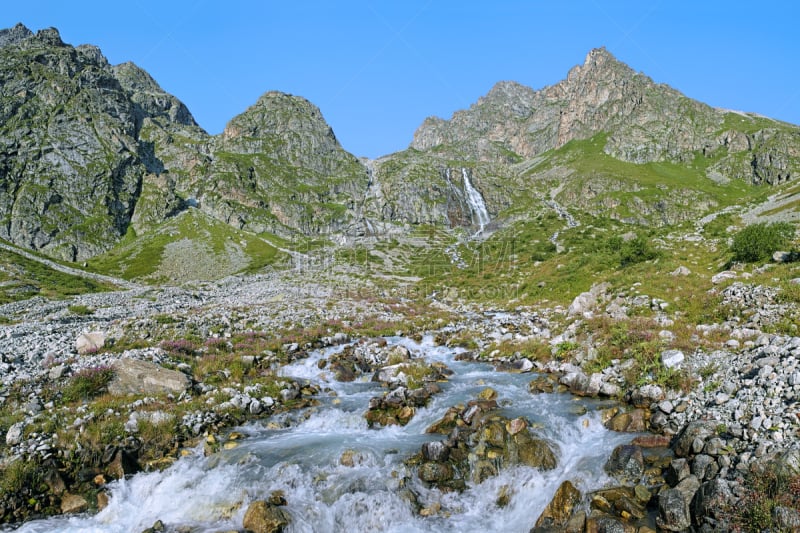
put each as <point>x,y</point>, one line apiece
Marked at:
<point>10,36</point>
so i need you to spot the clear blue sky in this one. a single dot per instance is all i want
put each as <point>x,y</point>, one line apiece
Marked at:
<point>377,68</point>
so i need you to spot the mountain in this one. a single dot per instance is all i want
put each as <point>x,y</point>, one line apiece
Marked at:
<point>92,154</point>
<point>606,140</point>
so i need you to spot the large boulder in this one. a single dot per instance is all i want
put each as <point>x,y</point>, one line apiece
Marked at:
<point>263,517</point>
<point>673,511</point>
<point>91,342</point>
<point>626,463</point>
<point>560,509</point>
<point>132,376</point>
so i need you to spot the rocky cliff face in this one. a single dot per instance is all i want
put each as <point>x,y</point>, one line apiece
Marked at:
<point>72,165</point>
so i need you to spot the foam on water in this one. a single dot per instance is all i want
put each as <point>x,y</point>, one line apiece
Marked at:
<point>371,493</point>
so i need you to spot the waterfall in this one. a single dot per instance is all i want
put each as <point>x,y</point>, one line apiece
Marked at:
<point>475,201</point>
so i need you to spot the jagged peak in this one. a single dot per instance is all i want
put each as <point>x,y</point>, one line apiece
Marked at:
<point>10,36</point>
<point>50,36</point>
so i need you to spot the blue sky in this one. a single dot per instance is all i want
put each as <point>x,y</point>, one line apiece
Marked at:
<point>377,68</point>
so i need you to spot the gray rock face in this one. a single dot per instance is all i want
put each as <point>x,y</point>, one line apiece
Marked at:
<point>132,376</point>
<point>644,121</point>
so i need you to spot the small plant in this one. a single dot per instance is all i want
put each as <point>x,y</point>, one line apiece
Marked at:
<point>87,384</point>
<point>766,487</point>
<point>757,242</point>
<point>179,347</point>
<point>81,310</point>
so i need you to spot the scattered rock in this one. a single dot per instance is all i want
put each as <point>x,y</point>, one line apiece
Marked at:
<point>262,517</point>
<point>91,342</point>
<point>133,376</point>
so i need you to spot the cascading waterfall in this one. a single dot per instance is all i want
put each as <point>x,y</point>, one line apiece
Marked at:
<point>476,203</point>
<point>300,454</point>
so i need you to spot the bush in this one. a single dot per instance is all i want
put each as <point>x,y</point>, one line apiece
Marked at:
<point>632,251</point>
<point>757,242</point>
<point>88,383</point>
<point>82,310</point>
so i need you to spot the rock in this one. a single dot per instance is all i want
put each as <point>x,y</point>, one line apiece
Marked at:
<point>681,271</point>
<point>673,511</point>
<point>488,394</point>
<point>723,276</point>
<point>261,517</point>
<point>678,470</point>
<point>435,451</point>
<point>626,463</point>
<point>533,452</point>
<point>672,358</point>
<point>432,472</point>
<point>560,509</point>
<point>783,257</point>
<point>73,503</point>
<point>786,518</point>
<point>91,342</point>
<point>132,376</point>
<point>712,499</point>
<point>123,464</point>
<point>631,422</point>
<point>516,425</point>
<point>698,430</point>
<point>15,433</point>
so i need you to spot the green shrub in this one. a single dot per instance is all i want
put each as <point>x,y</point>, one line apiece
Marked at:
<point>636,250</point>
<point>758,241</point>
<point>82,310</point>
<point>87,384</point>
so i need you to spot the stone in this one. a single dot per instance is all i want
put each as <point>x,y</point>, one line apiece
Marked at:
<point>432,472</point>
<point>681,271</point>
<point>516,425</point>
<point>435,451</point>
<point>786,518</point>
<point>132,376</point>
<point>699,430</point>
<point>711,499</point>
<point>488,394</point>
<point>626,463</point>
<point>673,511</point>
<point>560,509</point>
<point>672,358</point>
<point>15,433</point>
<point>73,503</point>
<point>123,464</point>
<point>91,342</point>
<point>261,517</point>
<point>723,276</point>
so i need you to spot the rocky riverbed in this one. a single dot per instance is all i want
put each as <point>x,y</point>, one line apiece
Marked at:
<point>185,365</point>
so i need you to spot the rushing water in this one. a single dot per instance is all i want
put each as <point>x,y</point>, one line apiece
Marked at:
<point>300,454</point>
<point>475,201</point>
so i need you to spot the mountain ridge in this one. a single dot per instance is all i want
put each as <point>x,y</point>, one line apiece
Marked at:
<point>107,151</point>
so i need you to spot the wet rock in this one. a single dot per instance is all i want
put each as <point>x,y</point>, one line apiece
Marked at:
<point>631,422</point>
<point>123,464</point>
<point>561,507</point>
<point>543,383</point>
<point>673,511</point>
<point>488,394</point>
<point>433,472</point>
<point>132,376</point>
<point>678,470</point>
<point>435,451</point>
<point>261,517</point>
<point>626,463</point>
<point>73,503</point>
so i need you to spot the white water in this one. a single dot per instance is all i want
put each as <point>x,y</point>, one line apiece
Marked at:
<point>475,201</point>
<point>302,459</point>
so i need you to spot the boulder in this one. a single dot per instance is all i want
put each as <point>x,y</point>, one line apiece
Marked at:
<point>672,358</point>
<point>73,503</point>
<point>90,342</point>
<point>626,463</point>
<point>692,439</point>
<point>132,376</point>
<point>712,500</point>
<point>559,510</point>
<point>681,271</point>
<point>673,511</point>
<point>15,433</point>
<point>262,517</point>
